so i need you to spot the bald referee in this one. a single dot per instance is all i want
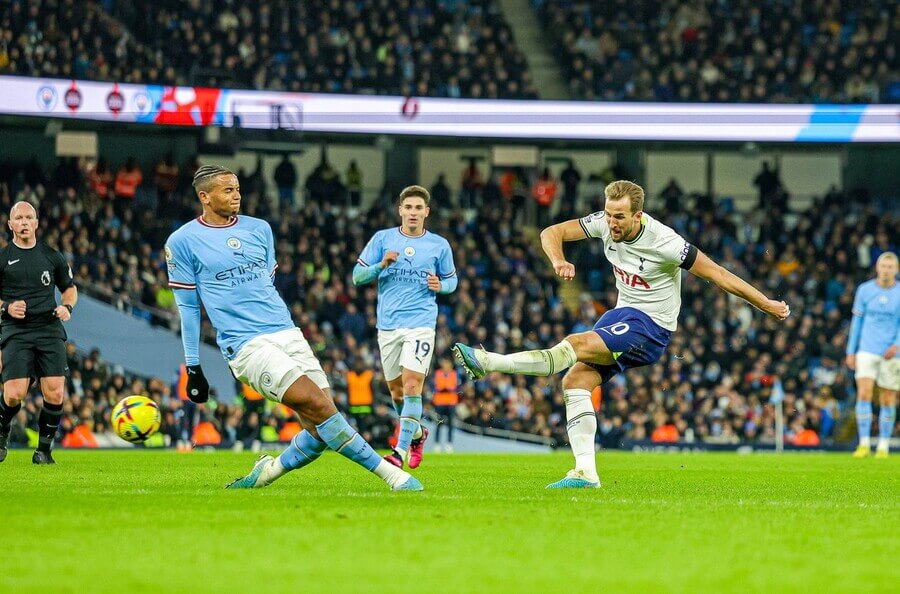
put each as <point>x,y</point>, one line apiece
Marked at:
<point>32,337</point>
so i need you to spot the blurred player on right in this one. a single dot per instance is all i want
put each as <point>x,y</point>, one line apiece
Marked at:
<point>872,353</point>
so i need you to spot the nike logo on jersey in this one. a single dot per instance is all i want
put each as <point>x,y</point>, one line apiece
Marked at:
<point>11,262</point>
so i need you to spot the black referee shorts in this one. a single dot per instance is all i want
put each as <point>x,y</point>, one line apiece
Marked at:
<point>34,354</point>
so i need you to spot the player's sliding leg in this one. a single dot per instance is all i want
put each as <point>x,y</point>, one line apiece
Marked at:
<point>887,417</point>
<point>864,388</point>
<point>411,441</point>
<point>331,428</point>
<point>581,426</point>
<point>585,346</point>
<point>304,449</point>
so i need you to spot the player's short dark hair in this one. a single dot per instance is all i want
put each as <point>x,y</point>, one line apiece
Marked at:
<point>206,174</point>
<point>415,192</point>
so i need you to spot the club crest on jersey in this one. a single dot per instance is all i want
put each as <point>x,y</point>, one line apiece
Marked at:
<point>234,243</point>
<point>410,251</point>
<point>45,278</point>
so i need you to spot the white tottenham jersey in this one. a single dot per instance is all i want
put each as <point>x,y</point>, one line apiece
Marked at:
<point>648,268</point>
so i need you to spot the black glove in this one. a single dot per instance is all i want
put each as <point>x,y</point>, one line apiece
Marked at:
<point>197,386</point>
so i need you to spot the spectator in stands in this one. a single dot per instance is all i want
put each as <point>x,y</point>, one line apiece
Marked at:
<point>769,184</point>
<point>471,184</point>
<point>166,179</point>
<point>286,181</point>
<point>128,178</point>
<point>672,195</point>
<point>353,180</point>
<point>543,191</point>
<point>440,192</point>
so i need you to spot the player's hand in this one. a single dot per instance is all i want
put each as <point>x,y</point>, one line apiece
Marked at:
<point>851,362</point>
<point>62,312</point>
<point>197,386</point>
<point>777,309</point>
<point>434,283</point>
<point>389,258</point>
<point>564,270</point>
<point>17,309</point>
<point>889,354</point>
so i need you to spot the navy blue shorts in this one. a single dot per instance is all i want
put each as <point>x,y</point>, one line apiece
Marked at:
<point>633,337</point>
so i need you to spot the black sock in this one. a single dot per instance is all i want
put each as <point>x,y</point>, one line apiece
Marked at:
<point>7,413</point>
<point>48,423</point>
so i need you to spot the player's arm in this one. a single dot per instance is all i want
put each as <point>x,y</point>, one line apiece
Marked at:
<point>856,324</point>
<point>552,239</point>
<point>444,280</point>
<point>706,269</point>
<point>65,282</point>
<point>372,261</point>
<point>183,283</point>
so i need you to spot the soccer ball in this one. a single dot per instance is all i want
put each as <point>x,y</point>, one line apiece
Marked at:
<point>135,418</point>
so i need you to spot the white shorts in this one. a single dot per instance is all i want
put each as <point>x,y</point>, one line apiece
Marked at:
<point>885,372</point>
<point>272,362</point>
<point>405,348</point>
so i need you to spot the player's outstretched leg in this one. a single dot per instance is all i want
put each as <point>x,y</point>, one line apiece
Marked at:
<point>864,428</point>
<point>303,450</point>
<point>479,362</point>
<point>343,439</point>
<point>886,420</point>
<point>581,426</point>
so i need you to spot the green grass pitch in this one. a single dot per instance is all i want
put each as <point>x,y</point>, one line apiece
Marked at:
<point>136,521</point>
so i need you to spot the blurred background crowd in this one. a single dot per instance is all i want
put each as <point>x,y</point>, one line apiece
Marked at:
<point>713,384</point>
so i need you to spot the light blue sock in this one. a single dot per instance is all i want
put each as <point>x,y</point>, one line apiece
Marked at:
<point>409,421</point>
<point>864,419</point>
<point>343,439</point>
<point>886,419</point>
<point>304,449</point>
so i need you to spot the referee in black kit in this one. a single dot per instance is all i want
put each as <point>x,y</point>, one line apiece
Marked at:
<point>32,338</point>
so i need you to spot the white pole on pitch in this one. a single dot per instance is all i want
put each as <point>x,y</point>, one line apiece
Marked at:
<point>777,400</point>
<point>779,427</point>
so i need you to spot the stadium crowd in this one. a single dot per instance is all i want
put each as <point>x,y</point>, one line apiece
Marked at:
<point>448,48</point>
<point>821,51</point>
<point>712,385</point>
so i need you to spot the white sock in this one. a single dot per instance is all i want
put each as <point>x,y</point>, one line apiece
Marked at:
<point>418,433</point>
<point>273,471</point>
<point>390,474</point>
<point>543,363</point>
<point>582,429</point>
<point>865,441</point>
<point>884,443</point>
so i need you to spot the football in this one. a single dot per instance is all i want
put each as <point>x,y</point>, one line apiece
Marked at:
<point>135,418</point>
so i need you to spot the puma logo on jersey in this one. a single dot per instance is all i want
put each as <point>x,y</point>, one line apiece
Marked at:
<point>631,280</point>
<point>11,262</point>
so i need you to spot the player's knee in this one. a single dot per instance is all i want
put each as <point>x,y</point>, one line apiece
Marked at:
<point>412,383</point>
<point>578,379</point>
<point>54,396</point>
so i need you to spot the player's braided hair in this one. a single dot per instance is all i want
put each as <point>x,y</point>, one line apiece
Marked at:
<point>206,173</point>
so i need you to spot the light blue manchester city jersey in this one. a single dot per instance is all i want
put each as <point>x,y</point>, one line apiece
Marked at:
<point>404,300</point>
<point>231,267</point>
<point>879,309</point>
